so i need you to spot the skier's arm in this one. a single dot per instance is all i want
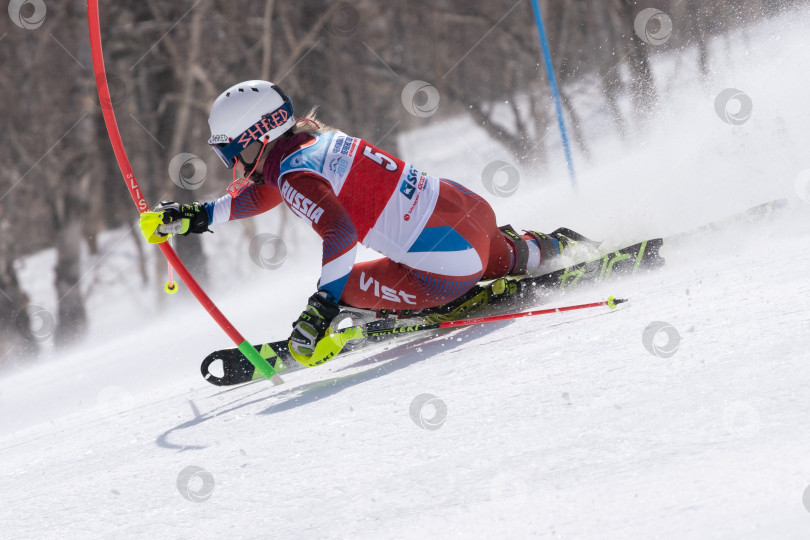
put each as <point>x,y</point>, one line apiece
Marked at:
<point>170,218</point>
<point>312,198</point>
<point>254,199</point>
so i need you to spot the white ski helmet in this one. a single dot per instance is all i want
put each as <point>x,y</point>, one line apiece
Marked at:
<point>246,112</point>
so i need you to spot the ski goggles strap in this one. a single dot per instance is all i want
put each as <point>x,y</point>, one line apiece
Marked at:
<point>228,152</point>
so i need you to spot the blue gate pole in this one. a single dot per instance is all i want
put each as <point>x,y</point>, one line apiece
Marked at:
<point>554,91</point>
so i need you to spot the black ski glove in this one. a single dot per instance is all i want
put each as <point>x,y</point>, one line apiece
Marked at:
<point>312,324</point>
<point>182,218</point>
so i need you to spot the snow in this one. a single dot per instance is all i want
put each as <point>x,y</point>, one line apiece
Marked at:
<point>556,426</point>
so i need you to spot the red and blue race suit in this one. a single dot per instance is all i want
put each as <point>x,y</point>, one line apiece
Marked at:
<point>437,237</point>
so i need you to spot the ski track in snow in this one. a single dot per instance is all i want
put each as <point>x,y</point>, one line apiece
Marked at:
<point>560,426</point>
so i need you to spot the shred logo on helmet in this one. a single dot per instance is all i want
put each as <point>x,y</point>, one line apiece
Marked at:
<point>268,123</point>
<point>247,112</point>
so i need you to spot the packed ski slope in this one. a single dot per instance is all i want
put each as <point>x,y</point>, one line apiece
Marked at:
<point>565,426</point>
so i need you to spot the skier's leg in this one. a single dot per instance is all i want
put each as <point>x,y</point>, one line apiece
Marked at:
<point>385,284</point>
<point>506,252</point>
<point>472,216</point>
<point>503,251</point>
<point>460,245</point>
<point>447,259</point>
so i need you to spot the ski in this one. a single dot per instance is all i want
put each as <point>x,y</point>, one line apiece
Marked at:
<point>623,262</point>
<point>236,369</point>
<point>620,263</point>
<point>756,214</point>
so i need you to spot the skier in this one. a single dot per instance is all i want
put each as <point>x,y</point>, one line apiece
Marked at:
<point>438,238</point>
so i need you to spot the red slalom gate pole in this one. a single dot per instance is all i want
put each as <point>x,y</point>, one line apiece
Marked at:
<point>140,202</point>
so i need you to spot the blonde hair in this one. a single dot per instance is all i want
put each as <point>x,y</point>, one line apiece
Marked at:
<point>311,124</point>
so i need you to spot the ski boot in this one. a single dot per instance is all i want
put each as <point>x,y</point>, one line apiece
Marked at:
<point>552,246</point>
<point>475,299</point>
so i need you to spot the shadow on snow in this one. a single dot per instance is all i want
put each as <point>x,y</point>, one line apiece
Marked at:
<point>382,363</point>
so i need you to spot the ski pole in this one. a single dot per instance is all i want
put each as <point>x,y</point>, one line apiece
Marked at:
<point>611,302</point>
<point>331,344</point>
<point>171,285</point>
